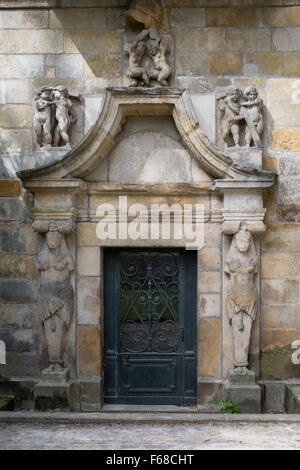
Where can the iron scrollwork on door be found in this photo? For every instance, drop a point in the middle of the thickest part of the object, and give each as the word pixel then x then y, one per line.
pixel 149 302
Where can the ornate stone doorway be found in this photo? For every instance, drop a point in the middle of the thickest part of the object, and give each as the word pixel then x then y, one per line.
pixel 150 326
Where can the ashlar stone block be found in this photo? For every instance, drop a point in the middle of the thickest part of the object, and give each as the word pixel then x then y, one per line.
pixel 42 41
pixel 93 41
pixel 247 397
pixel 89 301
pixel 90 394
pixel 248 40
pixel 20 19
pixel 231 17
pixel 89 348
pixel 227 63
pixel 282 16
pixel 74 18
pixel 286 39
pixel 293 399
pixel 88 261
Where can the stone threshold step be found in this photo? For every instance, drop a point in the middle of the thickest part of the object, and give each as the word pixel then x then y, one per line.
pixel 141 418
pixel 159 409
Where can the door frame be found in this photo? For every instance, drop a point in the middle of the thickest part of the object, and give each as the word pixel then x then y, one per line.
pixel 188 359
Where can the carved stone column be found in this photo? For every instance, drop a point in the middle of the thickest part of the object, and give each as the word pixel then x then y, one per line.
pixel 243 215
pixel 55 210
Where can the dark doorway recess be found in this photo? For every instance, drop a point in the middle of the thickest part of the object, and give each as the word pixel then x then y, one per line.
pixel 150 326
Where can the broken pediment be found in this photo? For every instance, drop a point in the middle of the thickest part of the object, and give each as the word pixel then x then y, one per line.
pixel 121 104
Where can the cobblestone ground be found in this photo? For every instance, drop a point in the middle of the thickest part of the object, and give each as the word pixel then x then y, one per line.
pixel 150 437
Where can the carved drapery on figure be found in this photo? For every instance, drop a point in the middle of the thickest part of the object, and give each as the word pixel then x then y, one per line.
pixel 54 116
pixel 241 265
pixel 241 117
pixel 56 294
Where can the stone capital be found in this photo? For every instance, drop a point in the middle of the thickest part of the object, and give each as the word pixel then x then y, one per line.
pixel 55 199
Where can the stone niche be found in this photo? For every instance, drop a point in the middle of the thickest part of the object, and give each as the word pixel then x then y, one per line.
pixel 147 145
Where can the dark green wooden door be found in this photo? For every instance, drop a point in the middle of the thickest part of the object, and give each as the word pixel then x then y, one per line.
pixel 150 326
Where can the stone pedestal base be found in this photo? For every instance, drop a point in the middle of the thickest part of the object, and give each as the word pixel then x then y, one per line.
pixel 247 397
pixel 241 376
pixel 293 399
pixel 53 391
pixel 243 391
pixel 250 157
pixel 90 394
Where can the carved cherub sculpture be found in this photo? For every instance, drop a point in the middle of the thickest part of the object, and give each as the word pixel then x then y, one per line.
pixel 56 294
pixel 137 74
pixel 54 116
pixel 251 109
pixel 64 115
pixel 42 121
pixel 230 108
pixel 162 69
pixel 241 117
pixel 241 265
pixel 148 64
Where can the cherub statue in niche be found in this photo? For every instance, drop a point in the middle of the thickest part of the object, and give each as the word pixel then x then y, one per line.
pixel 251 109
pixel 64 114
pixel 56 294
pixel 241 265
pixel 137 74
pixel 54 116
pixel 231 117
pixel 154 72
pixel 241 117
pixel 162 70
pixel 42 121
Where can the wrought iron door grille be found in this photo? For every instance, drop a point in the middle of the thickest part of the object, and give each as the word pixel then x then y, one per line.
pixel 149 302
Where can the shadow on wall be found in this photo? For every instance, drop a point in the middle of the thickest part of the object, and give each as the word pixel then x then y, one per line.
pixel 96 37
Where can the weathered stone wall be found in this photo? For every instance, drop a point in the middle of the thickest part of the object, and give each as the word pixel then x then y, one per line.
pixel 217 44
pixel 19 323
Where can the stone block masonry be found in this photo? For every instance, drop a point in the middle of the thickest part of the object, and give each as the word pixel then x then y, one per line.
pixel 217 45
pixel 79 45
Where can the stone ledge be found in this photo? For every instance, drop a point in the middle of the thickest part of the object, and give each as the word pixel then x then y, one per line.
pixel 150 418
pixel 16 4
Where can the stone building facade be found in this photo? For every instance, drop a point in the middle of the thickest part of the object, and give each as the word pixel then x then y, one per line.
pixel 156 145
